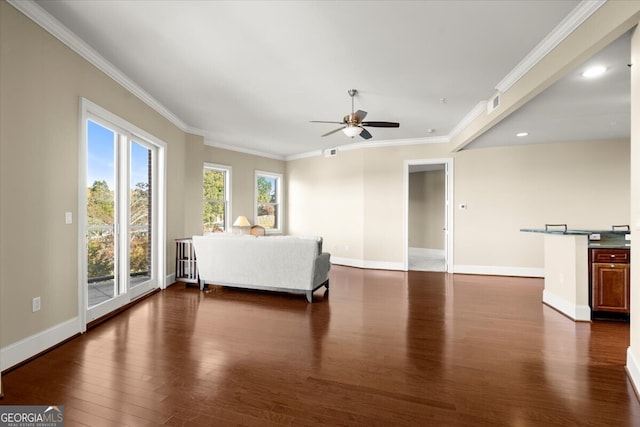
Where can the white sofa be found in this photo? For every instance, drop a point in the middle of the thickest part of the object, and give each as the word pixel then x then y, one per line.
pixel 280 263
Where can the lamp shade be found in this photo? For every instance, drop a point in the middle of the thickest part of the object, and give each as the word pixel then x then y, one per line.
pixel 352 131
pixel 242 221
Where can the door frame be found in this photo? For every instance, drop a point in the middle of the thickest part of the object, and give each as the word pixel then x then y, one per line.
pixel 90 110
pixel 448 163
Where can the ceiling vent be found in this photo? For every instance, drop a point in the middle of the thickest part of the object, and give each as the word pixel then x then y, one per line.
pixel 331 152
pixel 493 103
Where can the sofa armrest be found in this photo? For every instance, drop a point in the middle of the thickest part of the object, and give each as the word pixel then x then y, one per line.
pixel 321 268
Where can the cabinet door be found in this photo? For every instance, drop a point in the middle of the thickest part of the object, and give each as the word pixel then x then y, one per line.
pixel 611 287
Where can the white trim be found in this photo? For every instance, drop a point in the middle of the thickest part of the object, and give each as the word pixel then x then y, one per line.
pixel 633 370
pixel 169 280
pixel 573 311
pixel 568 25
pixel 361 263
pixel 242 150
pixel 41 17
pixel 316 153
pixel 449 203
pixel 493 270
pixel 30 346
pixel 468 119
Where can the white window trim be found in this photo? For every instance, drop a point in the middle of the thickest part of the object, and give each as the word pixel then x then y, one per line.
pixel 279 192
pixel 227 190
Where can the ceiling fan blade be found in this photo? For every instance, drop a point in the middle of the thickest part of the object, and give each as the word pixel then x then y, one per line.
pixel 360 115
pixel 334 131
pixel 381 124
pixel 365 134
pixel 323 121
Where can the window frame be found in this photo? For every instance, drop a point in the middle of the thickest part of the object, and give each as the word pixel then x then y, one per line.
pixel 227 192
pixel 278 177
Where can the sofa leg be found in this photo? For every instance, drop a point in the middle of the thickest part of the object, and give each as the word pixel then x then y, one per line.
pixel 309 296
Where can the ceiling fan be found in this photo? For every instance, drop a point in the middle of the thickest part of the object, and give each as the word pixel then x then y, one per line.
pixel 352 124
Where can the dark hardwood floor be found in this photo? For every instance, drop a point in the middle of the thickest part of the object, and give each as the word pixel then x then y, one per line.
pixel 382 348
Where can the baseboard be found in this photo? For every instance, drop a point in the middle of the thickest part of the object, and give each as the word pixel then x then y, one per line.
pixel 579 313
pixel 633 371
pixel 486 270
pixel 374 265
pixel 493 270
pixel 169 280
pixel 24 349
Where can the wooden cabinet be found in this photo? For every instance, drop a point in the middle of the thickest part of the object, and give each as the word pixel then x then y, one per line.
pixel 186 266
pixel 610 282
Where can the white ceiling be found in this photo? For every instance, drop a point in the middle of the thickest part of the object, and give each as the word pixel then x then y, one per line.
pixel 250 75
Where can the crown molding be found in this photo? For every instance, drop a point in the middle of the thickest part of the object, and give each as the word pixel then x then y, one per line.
pixel 394 143
pixel 50 24
pixel 468 119
pixel 572 21
pixel 316 153
pixel 243 150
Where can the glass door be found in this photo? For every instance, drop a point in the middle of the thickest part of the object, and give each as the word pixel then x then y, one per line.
pixel 140 230
pixel 120 228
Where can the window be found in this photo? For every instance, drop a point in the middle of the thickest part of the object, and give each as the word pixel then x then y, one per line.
pixel 268 211
pixel 217 198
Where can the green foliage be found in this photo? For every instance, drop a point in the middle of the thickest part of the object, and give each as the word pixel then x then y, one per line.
pixel 100 204
pixel 100 238
pixel 214 200
pixel 266 192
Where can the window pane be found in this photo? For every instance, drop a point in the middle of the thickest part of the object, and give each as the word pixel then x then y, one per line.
pixel 268 201
pixel 140 214
pixel 267 189
pixel 215 203
pixel 268 215
pixel 101 261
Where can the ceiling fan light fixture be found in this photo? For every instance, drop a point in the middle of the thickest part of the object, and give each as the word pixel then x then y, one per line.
pixel 595 71
pixel 352 131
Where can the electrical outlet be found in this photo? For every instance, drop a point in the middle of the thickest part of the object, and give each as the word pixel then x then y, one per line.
pixel 36 304
pixel 594 236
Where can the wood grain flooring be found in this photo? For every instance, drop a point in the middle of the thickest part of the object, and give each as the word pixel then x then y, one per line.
pixel 382 348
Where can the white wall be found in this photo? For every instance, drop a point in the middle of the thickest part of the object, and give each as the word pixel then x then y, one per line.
pixel 583 184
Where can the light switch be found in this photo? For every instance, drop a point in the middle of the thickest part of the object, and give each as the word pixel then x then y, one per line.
pixel 68 218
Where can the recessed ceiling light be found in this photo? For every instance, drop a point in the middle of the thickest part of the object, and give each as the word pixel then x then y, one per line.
pixel 595 71
pixel 431 130
pixel 521 134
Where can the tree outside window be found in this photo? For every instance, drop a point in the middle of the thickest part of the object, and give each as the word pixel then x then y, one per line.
pixel 216 199
pixel 268 200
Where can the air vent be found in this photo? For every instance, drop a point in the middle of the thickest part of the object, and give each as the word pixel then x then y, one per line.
pixel 493 103
pixel 330 152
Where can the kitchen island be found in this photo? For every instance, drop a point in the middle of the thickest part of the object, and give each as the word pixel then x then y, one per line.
pixel 569 267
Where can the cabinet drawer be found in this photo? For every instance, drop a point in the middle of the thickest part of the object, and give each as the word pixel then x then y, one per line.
pixel 610 255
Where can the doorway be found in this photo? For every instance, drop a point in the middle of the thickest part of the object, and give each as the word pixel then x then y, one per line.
pixel 428 218
pixel 121 218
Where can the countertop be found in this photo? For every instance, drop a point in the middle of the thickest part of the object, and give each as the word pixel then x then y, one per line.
pixel 608 239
